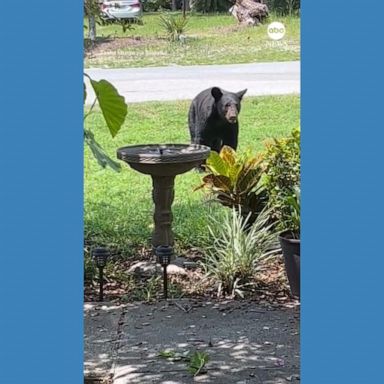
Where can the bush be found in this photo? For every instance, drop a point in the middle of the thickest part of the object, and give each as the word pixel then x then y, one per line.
pixel 207 6
pixel 173 25
pixel 282 180
pixel 284 7
pixel 233 258
pixel 155 5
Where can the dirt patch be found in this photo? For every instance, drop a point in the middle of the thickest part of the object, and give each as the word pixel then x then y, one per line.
pixel 112 44
pixel 226 29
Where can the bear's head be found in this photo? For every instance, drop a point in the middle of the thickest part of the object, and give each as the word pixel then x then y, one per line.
pixel 227 103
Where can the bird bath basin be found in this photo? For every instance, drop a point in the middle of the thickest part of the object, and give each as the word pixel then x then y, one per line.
pixel 163 162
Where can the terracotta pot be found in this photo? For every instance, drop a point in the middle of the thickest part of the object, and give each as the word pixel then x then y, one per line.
pixel 291 252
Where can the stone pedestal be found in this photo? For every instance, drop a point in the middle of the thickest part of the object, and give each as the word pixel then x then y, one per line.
pixel 163 195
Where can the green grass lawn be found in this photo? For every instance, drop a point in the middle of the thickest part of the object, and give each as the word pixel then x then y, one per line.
pixel 118 206
pixel 211 39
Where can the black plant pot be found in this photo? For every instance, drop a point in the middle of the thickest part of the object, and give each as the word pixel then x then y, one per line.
pixel 291 252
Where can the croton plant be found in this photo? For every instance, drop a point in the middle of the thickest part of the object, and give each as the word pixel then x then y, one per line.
pixel 235 181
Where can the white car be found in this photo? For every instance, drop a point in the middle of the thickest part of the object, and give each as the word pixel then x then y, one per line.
pixel 121 9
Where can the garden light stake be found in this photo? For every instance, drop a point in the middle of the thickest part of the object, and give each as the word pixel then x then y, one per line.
pixel 164 254
pixel 100 256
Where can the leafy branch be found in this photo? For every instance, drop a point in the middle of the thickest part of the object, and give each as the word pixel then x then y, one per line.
pixel 114 110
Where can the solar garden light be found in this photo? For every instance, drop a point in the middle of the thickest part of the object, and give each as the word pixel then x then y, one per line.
pixel 100 256
pixel 164 254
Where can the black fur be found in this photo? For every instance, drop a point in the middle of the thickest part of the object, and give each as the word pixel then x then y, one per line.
pixel 213 120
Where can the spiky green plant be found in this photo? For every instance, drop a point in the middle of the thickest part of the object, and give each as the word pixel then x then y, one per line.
pixel 174 26
pixel 235 253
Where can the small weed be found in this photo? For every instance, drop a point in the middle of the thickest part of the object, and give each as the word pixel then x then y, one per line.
pixel 167 354
pixel 149 290
pixel 196 361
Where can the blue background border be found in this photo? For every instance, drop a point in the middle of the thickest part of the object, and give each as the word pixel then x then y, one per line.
pixel 41 193
pixel 342 197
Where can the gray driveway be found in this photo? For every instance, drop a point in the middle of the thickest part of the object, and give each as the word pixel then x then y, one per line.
pixel 178 83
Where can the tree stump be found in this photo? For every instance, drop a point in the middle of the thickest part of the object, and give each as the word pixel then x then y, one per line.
pixel 249 12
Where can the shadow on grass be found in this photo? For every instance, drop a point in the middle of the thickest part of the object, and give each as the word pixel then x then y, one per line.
pixel 90 45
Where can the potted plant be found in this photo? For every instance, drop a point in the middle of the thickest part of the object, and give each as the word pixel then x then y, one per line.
pixel 290 243
pixel 282 181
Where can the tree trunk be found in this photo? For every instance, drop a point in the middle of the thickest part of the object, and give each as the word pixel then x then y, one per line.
pixel 249 12
pixel 92 28
pixel 174 5
pixel 185 7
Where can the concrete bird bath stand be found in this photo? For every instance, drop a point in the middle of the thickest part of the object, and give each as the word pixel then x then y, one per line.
pixel 163 162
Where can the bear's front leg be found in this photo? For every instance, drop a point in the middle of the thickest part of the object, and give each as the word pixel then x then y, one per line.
pixel 230 138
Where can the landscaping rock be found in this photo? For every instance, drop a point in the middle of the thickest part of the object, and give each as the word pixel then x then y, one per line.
pixel 149 268
pixel 145 269
pixel 173 269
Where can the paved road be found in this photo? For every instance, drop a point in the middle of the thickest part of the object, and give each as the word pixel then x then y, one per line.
pixel 178 83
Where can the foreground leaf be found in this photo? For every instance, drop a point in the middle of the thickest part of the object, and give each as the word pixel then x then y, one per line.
pixel 98 152
pixel 111 103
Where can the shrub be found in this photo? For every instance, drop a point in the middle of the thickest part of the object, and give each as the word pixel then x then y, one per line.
pixel 282 180
pixel 155 5
pixel 207 6
pixel 232 259
pixel 235 181
pixel 174 26
pixel 284 7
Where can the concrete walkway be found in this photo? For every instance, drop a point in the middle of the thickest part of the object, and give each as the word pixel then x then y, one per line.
pixel 185 82
pixel 246 343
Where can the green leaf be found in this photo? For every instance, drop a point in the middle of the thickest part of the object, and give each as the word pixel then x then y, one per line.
pixel 167 354
pixel 248 179
pixel 98 152
pixel 216 164
pixel 111 103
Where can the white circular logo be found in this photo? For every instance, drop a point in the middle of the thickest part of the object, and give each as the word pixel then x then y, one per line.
pixel 276 30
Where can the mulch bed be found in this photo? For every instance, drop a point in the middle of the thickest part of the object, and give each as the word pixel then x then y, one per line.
pixel 269 286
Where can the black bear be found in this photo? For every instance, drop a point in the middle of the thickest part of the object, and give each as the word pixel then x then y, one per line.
pixel 213 116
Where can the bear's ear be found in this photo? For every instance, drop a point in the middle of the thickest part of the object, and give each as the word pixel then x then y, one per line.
pixel 241 93
pixel 216 93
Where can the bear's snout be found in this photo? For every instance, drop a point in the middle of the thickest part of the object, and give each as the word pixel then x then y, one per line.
pixel 231 114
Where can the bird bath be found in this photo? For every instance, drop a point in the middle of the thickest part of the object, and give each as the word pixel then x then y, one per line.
pixel 163 162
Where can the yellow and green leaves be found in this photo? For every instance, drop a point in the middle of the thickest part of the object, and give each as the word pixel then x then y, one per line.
pixel 234 180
